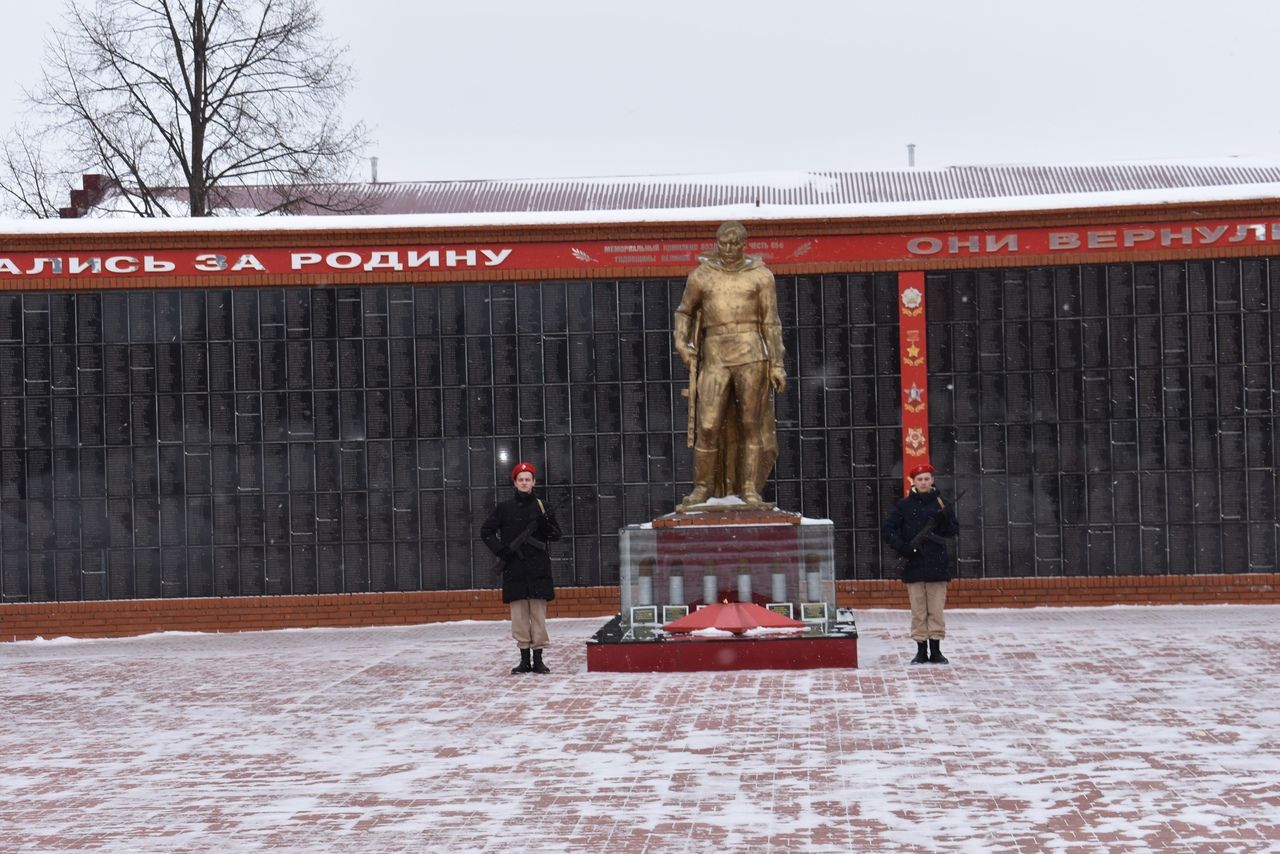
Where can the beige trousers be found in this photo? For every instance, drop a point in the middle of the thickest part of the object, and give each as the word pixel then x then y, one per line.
pixel 928 598
pixel 529 623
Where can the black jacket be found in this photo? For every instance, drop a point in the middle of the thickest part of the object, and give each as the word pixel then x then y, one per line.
pixel 908 518
pixel 527 574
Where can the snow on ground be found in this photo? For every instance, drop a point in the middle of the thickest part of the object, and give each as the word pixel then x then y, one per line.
pixel 1083 729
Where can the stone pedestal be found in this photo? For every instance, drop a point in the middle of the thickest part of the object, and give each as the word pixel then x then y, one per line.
pixel 679 562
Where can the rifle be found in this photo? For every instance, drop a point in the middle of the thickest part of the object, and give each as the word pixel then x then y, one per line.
pixel 924 533
pixel 525 537
pixel 692 391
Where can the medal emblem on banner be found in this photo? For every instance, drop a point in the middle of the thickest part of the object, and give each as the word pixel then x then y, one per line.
pixel 912 302
pixel 915 442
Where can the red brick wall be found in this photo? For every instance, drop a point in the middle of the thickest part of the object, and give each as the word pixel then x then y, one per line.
pixel 118 618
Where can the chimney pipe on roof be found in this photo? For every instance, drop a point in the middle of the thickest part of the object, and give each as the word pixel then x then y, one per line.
pixel 911 155
pixel 373 169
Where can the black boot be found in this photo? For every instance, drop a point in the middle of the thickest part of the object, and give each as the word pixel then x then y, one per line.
pixel 524 666
pixel 538 666
pixel 935 653
pixel 922 653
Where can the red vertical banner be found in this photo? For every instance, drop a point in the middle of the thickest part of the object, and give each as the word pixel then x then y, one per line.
pixel 913 350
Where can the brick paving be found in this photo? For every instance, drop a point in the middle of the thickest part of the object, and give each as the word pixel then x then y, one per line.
pixel 1072 730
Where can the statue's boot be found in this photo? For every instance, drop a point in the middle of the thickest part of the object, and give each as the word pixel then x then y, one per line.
pixel 749 476
pixel 704 467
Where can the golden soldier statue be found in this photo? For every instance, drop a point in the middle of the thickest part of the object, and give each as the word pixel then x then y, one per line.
pixel 728 334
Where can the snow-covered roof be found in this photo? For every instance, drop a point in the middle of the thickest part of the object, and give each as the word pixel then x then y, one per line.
pixel 749 196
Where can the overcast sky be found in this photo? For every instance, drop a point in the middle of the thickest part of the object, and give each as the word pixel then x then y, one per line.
pixel 558 88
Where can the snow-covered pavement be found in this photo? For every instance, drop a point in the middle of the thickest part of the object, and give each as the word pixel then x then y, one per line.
pixel 1082 729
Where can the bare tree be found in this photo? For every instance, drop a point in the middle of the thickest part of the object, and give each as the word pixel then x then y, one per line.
pixel 187 106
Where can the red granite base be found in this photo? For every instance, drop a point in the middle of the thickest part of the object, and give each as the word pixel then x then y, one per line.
pixel 678 656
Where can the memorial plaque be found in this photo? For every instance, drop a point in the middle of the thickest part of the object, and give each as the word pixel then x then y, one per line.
pixel 430 412
pixel 328 466
pixel 349 313
pixel 631 353
pixel 326 411
pixel 248 366
pixel 377 408
pixel 194 316
pixel 94 530
pixel 115 365
pixel 218 318
pixel 351 457
pixel 401 362
pixel 223 460
pixel 244 308
pixel 297 313
pixel 324 365
pixel 604 356
pixel 89 376
pixel 271 314
pixel 168 314
pixel 252 572
pixel 171 467
pixel 249 467
pixel 403 414
pixel 454 411
pixel 63 378
pixel 196 469
pixel 301 415
pixel 329 569
pixel 274 416
pixel 377 372
pixel 1203 390
pixel 355 568
pixel 1132 289
pixel 142 419
pixel 274 365
pixel 222 368
pixel 426 310
pixel 506 419
pixel 142 321
pixel 116 420
pixel 250 519
pixel 380 517
pixel 226 520
pixel 11 318
pixel 66 473
pixel 195 367
pixel 88 319
pixel 115 318
pixel 222 417
pixel 173 521
pixel 452 362
pixel 355 517
pixel 297 364
pixel 379 465
pixel 352 415
pixel 1231 390
pixel 658 356
pixel 93 472
pixel 168 370
pixel 146 522
pixel 64 422
pixel 142 368
pixel 555 309
pixel 323 307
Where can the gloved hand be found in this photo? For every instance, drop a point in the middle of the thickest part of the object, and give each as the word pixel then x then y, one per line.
pixel 908 552
pixel 507 554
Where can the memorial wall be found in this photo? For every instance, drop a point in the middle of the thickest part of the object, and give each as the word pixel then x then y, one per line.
pixel 1105 419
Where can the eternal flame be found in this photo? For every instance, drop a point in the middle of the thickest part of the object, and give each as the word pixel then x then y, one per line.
pixel 728 335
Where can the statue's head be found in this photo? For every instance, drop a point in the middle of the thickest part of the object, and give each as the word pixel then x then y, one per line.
pixel 732 239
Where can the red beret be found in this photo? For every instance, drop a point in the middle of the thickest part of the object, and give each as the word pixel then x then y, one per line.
pixel 515 472
pixel 920 469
